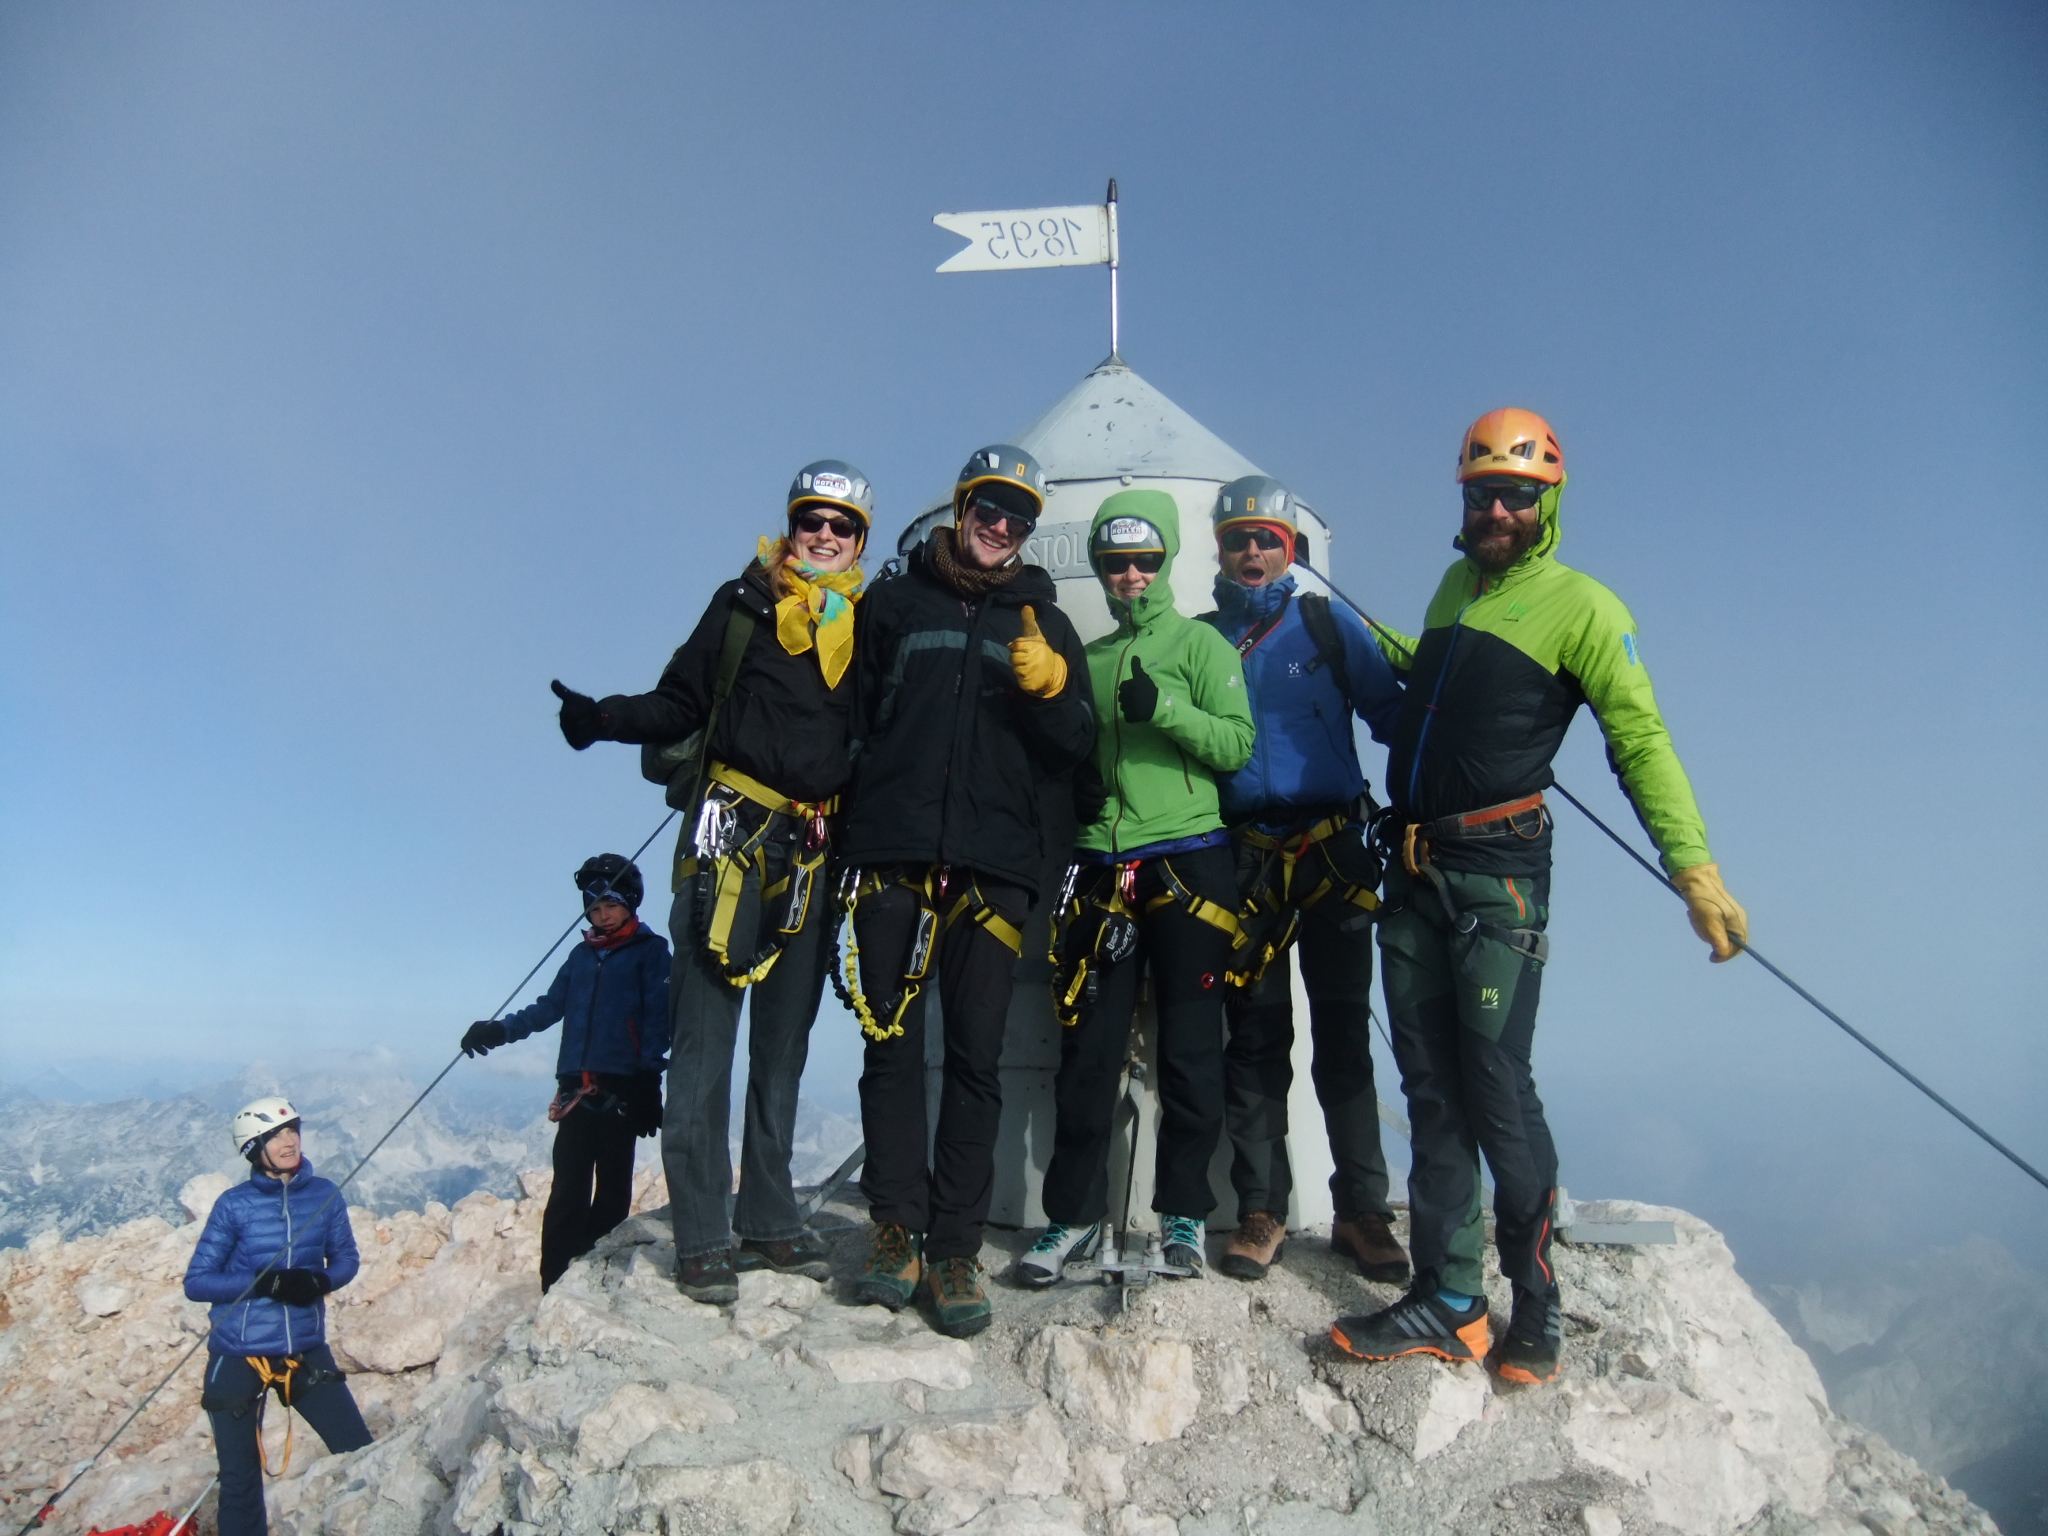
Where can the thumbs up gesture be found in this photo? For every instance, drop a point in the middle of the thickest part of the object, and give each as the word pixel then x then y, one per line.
pixel 1041 671
pixel 1138 694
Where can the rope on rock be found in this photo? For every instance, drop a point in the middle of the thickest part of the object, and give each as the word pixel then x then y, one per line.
pixel 1659 876
pixel 49 1505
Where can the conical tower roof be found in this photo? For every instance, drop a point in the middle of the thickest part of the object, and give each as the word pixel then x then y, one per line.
pixel 1113 423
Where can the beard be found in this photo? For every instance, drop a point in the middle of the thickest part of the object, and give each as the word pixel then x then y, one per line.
pixel 1496 548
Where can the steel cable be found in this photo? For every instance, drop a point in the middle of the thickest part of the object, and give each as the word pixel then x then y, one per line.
pixel 51 1503
pixel 1659 876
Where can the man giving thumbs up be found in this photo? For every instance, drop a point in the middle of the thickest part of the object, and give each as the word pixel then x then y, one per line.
pixel 971 692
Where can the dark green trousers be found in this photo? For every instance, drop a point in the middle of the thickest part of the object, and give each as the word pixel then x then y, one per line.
pixel 1462 1011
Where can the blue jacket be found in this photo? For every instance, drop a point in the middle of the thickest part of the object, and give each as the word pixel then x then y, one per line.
pixel 615 1002
pixel 1304 755
pixel 264 1219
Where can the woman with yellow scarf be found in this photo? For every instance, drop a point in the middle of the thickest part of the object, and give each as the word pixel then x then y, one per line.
pixel 752 714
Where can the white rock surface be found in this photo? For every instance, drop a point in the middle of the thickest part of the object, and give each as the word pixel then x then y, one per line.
pixel 615 1405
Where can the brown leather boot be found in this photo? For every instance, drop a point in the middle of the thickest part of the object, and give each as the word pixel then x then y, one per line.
pixel 1255 1247
pixel 1368 1238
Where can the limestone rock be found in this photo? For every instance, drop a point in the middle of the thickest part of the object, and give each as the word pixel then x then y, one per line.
pixel 765 1288
pixel 854 1459
pixel 1022 1517
pixel 1416 1404
pixel 1015 1454
pixel 101 1297
pixel 943 1509
pixel 199 1193
pixel 1669 1443
pixel 752 1498
pixel 1323 1408
pixel 944 1363
pixel 1142 1389
pixel 636 1411
pixel 1099 1478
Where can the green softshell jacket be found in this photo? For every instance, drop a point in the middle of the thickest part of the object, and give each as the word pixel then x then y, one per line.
pixel 1161 775
pixel 1501 667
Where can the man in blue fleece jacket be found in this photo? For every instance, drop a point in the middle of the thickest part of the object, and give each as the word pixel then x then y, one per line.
pixel 1308 875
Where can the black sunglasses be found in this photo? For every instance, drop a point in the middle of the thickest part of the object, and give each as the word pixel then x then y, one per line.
pixel 1513 495
pixel 1116 565
pixel 1235 540
pixel 993 516
pixel 811 521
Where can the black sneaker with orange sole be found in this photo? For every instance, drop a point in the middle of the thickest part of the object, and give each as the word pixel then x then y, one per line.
pixel 1533 1347
pixel 1417 1324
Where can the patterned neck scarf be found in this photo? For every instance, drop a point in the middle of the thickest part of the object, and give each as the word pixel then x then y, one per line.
pixel 818 610
pixel 972 582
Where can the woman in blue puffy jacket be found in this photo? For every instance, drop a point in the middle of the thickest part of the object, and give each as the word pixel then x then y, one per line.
pixel 272 1249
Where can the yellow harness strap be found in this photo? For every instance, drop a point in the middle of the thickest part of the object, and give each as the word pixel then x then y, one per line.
pixel 1198 907
pixel 282 1381
pixel 874 1028
pixel 991 921
pixel 762 795
pixel 751 857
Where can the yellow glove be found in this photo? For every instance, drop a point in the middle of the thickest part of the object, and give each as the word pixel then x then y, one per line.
pixel 1041 670
pixel 1715 916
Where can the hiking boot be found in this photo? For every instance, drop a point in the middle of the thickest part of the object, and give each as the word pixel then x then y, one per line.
pixel 960 1307
pixel 1256 1247
pixel 1368 1240
pixel 800 1255
pixel 1531 1348
pixel 1417 1324
pixel 1049 1256
pixel 894 1267
pixel 708 1277
pixel 1180 1247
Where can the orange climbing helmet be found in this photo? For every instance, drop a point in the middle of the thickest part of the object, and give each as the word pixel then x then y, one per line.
pixel 1511 441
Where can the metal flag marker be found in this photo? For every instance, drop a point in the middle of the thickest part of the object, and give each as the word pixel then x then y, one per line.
pixel 1021 239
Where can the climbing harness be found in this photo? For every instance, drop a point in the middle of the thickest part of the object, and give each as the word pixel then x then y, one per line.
pixel 1418 840
pixel 1662 879
pixel 1095 925
pixel 50 1504
pixel 937 908
pixel 281 1383
pixel 1298 871
pixel 752 865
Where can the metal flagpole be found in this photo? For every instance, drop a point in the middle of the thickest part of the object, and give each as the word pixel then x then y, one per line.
pixel 1113 352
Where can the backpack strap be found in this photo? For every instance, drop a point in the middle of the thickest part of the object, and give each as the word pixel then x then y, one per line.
pixel 1322 628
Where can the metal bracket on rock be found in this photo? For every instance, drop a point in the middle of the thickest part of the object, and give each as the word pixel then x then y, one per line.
pixel 1607 1234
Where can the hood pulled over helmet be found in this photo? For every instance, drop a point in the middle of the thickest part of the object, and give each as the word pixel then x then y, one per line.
pixel 610 877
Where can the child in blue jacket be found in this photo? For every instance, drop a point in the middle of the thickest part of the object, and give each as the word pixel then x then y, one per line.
pixel 272 1249
pixel 611 999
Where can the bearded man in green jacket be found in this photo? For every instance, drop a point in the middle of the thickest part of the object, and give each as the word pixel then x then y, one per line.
pixel 1514 642
pixel 1154 882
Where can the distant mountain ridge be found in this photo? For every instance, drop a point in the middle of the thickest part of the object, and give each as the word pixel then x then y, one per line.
pixel 80 1170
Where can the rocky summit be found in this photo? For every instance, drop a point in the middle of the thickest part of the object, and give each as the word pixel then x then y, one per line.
pixel 1202 1407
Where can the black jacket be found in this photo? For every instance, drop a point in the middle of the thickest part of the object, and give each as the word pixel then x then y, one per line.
pixel 946 774
pixel 781 725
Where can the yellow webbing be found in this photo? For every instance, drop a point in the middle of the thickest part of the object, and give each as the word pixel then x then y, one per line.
pixel 991 921
pixel 282 1380
pixel 869 883
pixel 761 794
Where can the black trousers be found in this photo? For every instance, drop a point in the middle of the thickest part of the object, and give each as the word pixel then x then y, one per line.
pixel 946 1198
pixel 593 1188
pixel 1186 956
pixel 233 1399
pixel 1336 972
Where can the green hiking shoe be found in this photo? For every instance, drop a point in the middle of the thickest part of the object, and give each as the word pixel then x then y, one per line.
pixel 894 1267
pixel 960 1307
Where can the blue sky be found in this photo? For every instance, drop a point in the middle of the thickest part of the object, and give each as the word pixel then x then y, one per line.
pixel 363 368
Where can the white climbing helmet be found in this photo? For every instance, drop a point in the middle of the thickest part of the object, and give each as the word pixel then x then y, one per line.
pixel 258 1118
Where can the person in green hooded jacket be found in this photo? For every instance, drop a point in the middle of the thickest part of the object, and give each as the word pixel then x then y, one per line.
pixel 1154 882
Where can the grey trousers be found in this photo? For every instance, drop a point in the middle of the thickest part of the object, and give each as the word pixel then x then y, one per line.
pixel 703 1033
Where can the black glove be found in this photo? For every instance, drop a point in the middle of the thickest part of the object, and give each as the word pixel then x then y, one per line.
pixel 582 720
pixel 1091 797
pixel 1138 694
pixel 643 1103
pixel 299 1287
pixel 483 1037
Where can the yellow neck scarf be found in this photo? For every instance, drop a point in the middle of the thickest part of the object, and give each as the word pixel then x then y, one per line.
pixel 818 610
